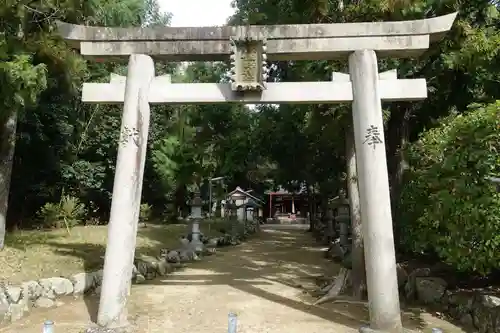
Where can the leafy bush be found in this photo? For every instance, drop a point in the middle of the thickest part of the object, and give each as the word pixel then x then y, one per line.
pixel 169 214
pixel 145 212
pixel 49 215
pixel 68 212
pixel 449 206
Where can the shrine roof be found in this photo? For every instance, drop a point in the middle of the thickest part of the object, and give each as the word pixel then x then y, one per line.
pixel 245 193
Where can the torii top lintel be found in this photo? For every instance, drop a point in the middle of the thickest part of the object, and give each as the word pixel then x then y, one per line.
pixel 284 42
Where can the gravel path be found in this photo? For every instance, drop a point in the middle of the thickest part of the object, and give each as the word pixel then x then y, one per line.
pixel 263 281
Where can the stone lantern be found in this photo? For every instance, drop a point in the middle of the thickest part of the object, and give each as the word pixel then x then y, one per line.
pixel 223 208
pixel 196 215
pixel 232 210
pixel 343 217
pixel 251 208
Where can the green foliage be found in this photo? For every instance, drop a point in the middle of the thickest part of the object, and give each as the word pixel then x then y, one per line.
pixel 450 207
pixel 20 81
pixel 49 215
pixel 72 211
pixel 68 212
pixel 145 212
pixel 62 143
pixel 164 158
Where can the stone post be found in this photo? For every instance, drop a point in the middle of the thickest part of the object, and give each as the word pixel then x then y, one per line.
pixel 233 217
pixel 330 229
pixel 223 208
pixel 196 215
pixel 343 220
pixel 374 193
pixel 126 198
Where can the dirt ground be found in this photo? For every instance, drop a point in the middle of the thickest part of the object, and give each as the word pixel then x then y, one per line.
pixel 263 281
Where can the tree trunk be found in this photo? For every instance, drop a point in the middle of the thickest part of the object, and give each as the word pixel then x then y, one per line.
pixel 398 136
pixel 320 226
pixel 180 200
pixel 358 274
pixel 310 201
pixel 330 228
pixel 7 156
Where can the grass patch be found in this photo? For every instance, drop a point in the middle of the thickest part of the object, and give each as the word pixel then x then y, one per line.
pixel 34 254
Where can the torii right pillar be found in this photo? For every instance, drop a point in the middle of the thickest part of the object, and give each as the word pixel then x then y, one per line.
pixel 373 182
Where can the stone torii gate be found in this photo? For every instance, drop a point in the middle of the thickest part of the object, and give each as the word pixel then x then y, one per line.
pixel 249 47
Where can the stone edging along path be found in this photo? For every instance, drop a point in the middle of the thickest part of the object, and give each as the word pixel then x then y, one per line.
pixel 16 301
pixel 478 308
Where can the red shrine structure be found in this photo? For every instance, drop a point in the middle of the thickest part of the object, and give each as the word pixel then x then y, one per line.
pixel 285 205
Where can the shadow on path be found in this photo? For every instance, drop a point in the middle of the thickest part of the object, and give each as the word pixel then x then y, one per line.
pixel 265 280
pixel 281 266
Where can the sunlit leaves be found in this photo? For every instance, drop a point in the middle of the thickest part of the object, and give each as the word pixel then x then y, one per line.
pixel 450 206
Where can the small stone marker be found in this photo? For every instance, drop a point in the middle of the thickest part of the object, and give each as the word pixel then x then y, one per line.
pixel 232 323
pixel 48 326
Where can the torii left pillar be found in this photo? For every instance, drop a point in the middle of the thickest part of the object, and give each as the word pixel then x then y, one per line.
pixel 127 189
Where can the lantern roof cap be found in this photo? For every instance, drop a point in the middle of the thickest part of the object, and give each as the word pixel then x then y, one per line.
pixel 197 200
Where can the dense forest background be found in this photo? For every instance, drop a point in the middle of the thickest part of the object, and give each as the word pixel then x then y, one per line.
pixel 58 155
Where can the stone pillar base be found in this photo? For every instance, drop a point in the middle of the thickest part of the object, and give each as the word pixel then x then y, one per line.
pixel 99 329
pixel 367 329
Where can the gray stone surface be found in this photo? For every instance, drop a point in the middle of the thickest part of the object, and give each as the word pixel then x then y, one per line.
pixel 56 285
pixel 277 50
pixel 82 282
pixel 489 301
pixel 335 252
pixel 139 278
pixel 164 268
pixel 13 293
pixel 276 92
pixel 437 25
pixel 98 329
pixel 32 290
pixel 368 329
pixel 486 313
pixel 97 276
pixel 430 289
pixel 402 276
pixel 4 305
pixel 478 310
pixel 285 42
pixel 17 311
pixel 44 302
pixel 381 272
pixel 410 286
